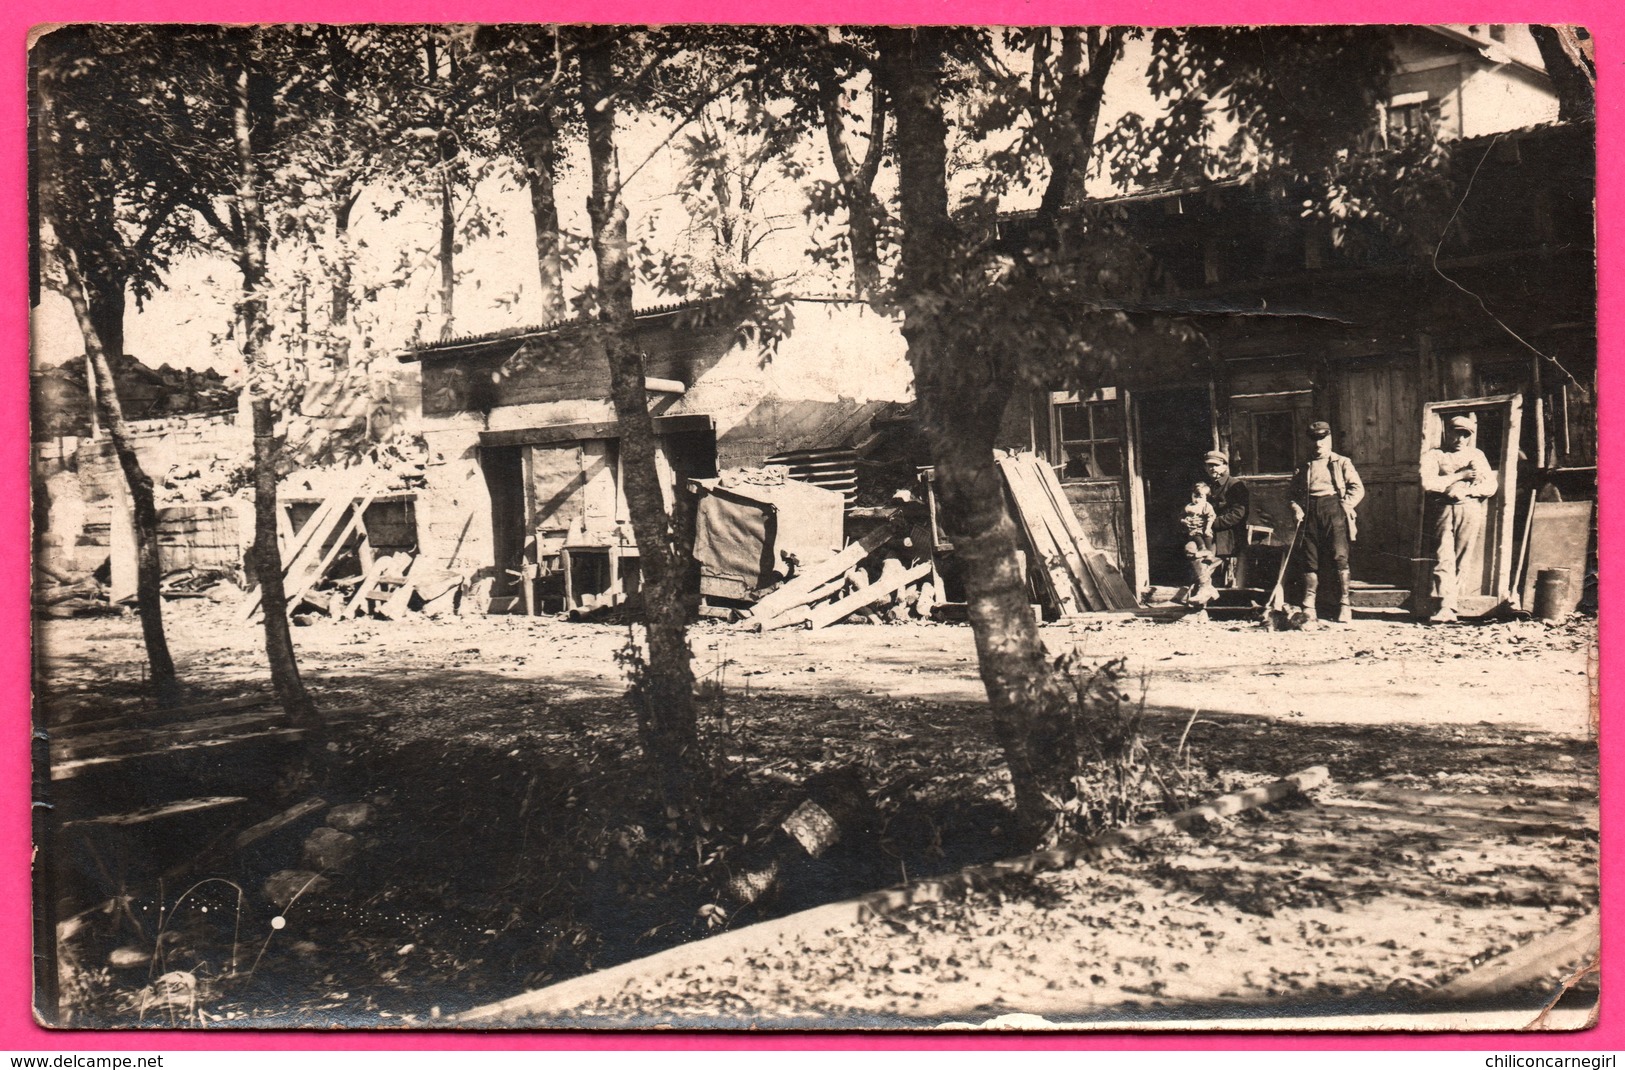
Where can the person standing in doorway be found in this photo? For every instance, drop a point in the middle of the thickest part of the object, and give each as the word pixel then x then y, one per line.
pixel 1457 479
pixel 1232 506
pixel 1325 492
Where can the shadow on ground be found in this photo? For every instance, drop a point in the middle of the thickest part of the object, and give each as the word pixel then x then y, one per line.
pixel 518 840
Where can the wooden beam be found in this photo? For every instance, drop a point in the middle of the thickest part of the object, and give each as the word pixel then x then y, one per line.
pixel 1105 575
pixel 315 530
pixel 1050 557
pixel 397 602
pixel 172 715
pixel 158 813
pixel 798 590
pixel 1072 536
pixel 798 615
pixel 1053 511
pixel 314 576
pixel 1576 944
pixel 369 580
pixel 545 436
pixel 67 770
pixel 255 833
pixel 823 616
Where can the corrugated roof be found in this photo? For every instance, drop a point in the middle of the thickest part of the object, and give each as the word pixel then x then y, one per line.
pixel 447 346
pixel 534 331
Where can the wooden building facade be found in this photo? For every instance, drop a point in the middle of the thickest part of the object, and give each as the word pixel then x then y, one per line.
pixel 1495 315
pixel 523 441
pixel 1294 322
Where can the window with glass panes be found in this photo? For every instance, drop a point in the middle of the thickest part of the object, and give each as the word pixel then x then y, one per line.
pixel 1088 435
pixel 1268 432
pixel 1411 115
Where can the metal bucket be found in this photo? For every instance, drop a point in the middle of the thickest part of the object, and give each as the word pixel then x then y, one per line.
pixel 1552 593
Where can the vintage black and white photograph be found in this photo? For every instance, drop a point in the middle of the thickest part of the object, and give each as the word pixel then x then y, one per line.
pixel 604 527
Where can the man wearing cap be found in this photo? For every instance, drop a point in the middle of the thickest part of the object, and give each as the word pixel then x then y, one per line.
pixel 1457 479
pixel 1324 493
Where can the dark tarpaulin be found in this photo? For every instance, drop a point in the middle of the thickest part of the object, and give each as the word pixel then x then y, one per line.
pixel 744 531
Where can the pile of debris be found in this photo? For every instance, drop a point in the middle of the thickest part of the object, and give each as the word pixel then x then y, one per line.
pixel 770 553
pixel 211 583
pixel 863 579
pixel 82 598
pixel 330 569
pixel 901 568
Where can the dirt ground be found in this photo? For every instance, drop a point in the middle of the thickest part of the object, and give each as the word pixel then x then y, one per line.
pixel 516 845
pixel 1374 671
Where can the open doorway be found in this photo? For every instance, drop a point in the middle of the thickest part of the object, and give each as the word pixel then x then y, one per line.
pixel 1487 582
pixel 504 469
pixel 1175 429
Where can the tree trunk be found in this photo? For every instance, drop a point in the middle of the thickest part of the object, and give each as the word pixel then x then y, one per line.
pixel 664 694
pixel 98 305
pixel 285 678
pixel 539 146
pixel 448 241
pixel 1086 60
pixel 857 181
pixel 865 241
pixel 255 331
pixel 1572 69
pixel 101 322
pixel 962 397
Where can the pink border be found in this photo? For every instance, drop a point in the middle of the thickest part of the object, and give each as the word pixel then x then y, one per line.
pixel 17 1030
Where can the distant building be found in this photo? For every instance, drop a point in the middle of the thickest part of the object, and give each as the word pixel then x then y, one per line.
pixel 1300 321
pixel 1466 81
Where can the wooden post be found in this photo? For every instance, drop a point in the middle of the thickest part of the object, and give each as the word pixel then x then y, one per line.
pixel 284 528
pixel 527 587
pixel 1138 552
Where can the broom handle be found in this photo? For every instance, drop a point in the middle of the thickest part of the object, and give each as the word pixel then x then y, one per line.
pixel 1286 559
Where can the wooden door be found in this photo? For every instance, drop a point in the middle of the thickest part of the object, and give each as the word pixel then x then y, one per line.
pixel 1091 447
pixel 1378 405
pixel 1500 421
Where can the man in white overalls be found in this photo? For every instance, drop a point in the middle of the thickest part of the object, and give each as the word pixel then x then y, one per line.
pixel 1457 479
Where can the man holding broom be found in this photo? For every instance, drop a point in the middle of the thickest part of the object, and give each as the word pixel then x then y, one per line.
pixel 1324 493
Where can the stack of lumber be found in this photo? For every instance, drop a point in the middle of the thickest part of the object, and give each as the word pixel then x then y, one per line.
pixel 1076 577
pixel 818 596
